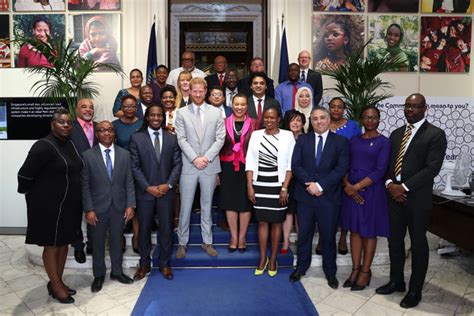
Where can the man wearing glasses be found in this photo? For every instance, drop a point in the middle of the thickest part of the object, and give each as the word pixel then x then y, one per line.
pixel 187 63
pixel 418 150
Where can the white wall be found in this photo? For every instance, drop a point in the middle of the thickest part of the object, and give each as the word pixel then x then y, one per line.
pixel 136 22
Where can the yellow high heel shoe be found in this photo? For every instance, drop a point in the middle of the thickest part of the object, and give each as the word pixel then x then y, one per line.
pixel 260 272
pixel 273 273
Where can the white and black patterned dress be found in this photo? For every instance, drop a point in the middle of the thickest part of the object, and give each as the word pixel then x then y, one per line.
pixel 267 188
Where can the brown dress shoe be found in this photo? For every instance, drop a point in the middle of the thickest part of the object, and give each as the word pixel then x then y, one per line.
pixel 141 273
pixel 167 273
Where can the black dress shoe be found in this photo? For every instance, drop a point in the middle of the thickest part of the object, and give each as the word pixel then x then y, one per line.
pixel 121 278
pixel 332 282
pixel 296 276
pixel 411 299
pixel 79 255
pixel 390 287
pixel 97 284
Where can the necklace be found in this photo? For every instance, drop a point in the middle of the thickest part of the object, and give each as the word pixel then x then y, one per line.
pixel 238 133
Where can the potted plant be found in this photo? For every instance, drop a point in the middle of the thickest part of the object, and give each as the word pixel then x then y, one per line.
pixel 68 77
pixel 358 81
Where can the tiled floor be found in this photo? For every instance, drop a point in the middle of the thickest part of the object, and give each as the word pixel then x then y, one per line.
pixel 449 289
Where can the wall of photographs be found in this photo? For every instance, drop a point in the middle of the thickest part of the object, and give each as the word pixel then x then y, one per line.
pixel 428 35
pixel 94 26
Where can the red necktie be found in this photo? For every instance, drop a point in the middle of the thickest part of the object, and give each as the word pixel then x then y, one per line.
pixel 294 96
pixel 221 78
pixel 259 113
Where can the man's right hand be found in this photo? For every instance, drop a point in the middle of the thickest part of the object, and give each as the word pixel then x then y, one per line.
pixel 91 218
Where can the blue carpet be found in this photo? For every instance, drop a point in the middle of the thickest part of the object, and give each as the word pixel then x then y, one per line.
pixel 223 292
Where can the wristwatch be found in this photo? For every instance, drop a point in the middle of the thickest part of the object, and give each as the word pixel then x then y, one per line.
pixel 170 186
pixel 284 189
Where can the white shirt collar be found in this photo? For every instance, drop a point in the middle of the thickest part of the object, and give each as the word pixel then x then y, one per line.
pixel 151 132
pixel 417 125
pixel 103 148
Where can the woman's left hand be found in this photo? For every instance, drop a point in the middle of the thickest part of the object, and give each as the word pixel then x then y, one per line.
pixel 283 198
pixel 350 189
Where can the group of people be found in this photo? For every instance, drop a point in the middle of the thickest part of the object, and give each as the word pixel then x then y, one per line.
pixel 281 158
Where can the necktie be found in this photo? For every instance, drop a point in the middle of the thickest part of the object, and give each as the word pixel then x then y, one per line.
pixel 156 144
pixel 221 79
pixel 108 163
pixel 259 110
pixel 303 77
pixel 89 134
pixel 199 121
pixel 319 150
pixel 294 96
pixel 401 153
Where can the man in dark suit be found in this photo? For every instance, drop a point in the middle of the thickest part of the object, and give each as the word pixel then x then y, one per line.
pixel 258 101
pixel 217 99
pixel 320 161
pixel 218 77
pixel 418 150
pixel 108 200
pixel 230 89
pixel 256 65
pixel 156 166
pixel 83 137
pixel 310 76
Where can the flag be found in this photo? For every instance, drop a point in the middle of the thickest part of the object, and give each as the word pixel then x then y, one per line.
pixel 151 63
pixel 283 76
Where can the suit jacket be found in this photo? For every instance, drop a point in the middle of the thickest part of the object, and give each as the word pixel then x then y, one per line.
pixel 228 111
pixel 98 192
pixel 252 107
pixel 147 170
pixel 421 163
pixel 78 137
pixel 213 80
pixel 316 82
pixel 190 143
pixel 244 86
pixel 333 166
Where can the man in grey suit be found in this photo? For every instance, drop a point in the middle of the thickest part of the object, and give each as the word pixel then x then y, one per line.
pixel 201 132
pixel 108 200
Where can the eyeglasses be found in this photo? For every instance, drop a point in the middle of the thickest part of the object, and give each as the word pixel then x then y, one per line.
pixel 129 106
pixel 188 59
pixel 368 118
pixel 216 94
pixel 413 106
pixel 106 130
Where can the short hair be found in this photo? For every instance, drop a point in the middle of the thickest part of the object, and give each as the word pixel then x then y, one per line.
pixel 136 69
pixel 162 66
pixel 370 107
pixel 217 88
pixel 274 107
pixel 257 58
pixel 423 100
pixel 320 108
pixel 188 52
pixel 240 95
pixel 129 96
pixel 79 101
pixel 258 74
pixel 168 89
pixel 338 98
pixel 198 80
pixel 290 116
pixel 58 112
pixel 147 112
pixel 145 86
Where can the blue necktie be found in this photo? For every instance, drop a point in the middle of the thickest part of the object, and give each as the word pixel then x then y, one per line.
pixel 319 150
pixel 108 163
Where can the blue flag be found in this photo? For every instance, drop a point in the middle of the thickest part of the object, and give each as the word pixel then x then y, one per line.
pixel 283 75
pixel 151 63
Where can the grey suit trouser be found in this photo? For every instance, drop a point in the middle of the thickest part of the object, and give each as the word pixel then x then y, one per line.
pixel 113 222
pixel 187 188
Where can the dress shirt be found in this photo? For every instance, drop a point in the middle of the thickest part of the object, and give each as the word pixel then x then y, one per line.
pixel 255 101
pixel 112 154
pixel 152 136
pixel 229 94
pixel 305 74
pixel 203 107
pixel 325 137
pixel 173 76
pixel 91 126
pixel 223 111
pixel 284 94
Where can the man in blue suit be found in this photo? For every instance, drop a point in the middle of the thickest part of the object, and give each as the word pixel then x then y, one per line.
pixel 320 161
pixel 156 166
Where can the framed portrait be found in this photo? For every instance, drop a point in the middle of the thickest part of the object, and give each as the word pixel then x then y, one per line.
pixel 5 49
pixel 38 5
pixel 394 6
pixel 334 38
pixel 339 5
pixel 97 36
pixel 396 37
pixel 102 5
pixel 39 26
pixel 446 6
pixel 4 5
pixel 445 44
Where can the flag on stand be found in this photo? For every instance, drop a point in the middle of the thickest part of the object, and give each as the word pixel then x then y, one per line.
pixel 282 75
pixel 151 63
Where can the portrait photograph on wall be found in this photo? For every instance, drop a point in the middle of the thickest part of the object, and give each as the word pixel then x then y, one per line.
pixel 395 37
pixel 5 49
pixel 334 38
pixel 398 6
pixel 445 44
pixel 4 5
pixel 42 27
pixel 39 5
pixel 93 5
pixel 339 5
pixel 97 36
pixel 446 6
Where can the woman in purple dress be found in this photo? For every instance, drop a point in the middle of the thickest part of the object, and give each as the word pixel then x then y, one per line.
pixel 364 207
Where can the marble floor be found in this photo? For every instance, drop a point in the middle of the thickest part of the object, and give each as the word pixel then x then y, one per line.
pixel 449 289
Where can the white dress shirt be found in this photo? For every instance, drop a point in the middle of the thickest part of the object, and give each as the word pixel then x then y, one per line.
pixel 325 137
pixel 151 132
pixel 111 153
pixel 255 102
pixel 229 94
pixel 173 76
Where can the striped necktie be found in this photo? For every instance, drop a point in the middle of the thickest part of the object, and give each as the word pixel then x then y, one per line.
pixel 401 153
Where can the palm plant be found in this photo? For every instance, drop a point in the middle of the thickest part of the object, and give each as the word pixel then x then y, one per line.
pixel 358 81
pixel 69 75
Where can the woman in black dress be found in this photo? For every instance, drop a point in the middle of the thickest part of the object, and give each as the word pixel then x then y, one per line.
pixel 233 191
pixel 50 178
